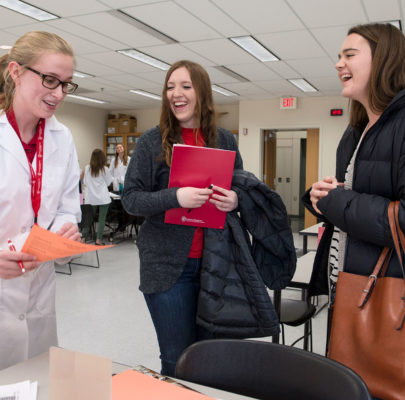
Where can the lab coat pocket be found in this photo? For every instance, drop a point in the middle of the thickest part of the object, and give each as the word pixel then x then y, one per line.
pixel 43 289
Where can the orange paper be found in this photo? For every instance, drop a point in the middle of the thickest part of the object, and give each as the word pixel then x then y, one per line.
pixel 46 245
pixel 130 384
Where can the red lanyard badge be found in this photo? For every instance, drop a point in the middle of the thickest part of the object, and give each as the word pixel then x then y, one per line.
pixel 36 178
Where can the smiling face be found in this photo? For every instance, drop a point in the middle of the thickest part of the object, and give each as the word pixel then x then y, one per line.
pixel 31 96
pixel 119 149
pixel 354 68
pixel 182 97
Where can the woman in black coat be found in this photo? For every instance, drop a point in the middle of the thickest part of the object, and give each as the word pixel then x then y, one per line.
pixel 370 159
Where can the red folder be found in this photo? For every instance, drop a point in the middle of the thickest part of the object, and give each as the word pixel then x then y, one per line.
pixel 200 167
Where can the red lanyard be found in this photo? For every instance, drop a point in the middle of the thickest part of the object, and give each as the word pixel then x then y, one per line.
pixel 36 178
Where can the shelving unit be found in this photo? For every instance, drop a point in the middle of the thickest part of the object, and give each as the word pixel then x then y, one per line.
pixel 128 140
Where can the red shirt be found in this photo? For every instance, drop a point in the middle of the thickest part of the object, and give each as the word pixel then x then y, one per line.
pixel 196 138
pixel 30 148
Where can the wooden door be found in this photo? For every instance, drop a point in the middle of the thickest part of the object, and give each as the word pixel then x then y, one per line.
pixel 311 168
pixel 270 158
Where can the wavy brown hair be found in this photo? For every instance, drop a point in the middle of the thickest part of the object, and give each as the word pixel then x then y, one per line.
pixel 204 111
pixel 387 76
pixel 26 51
pixel 124 158
pixel 97 162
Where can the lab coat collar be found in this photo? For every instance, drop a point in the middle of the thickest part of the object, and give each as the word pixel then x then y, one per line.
pixel 11 143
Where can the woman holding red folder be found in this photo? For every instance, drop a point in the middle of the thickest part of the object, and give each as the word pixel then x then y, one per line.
pixel 170 255
pixel 39 184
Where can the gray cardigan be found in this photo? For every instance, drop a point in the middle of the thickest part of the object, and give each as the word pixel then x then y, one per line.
pixel 163 248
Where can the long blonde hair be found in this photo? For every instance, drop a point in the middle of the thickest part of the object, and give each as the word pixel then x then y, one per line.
pixel 26 51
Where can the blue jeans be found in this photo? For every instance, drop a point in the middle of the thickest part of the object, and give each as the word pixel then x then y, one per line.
pixel 173 314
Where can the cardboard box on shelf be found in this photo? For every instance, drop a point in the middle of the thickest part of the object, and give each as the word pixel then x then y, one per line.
pixel 127 125
pixel 113 125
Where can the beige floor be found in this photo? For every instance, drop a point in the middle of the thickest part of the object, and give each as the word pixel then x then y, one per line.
pixel 101 311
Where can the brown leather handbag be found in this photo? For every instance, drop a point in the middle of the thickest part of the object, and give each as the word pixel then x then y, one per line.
pixel 367 332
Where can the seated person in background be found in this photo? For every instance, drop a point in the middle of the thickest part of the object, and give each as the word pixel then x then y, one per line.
pixel 118 167
pixel 96 179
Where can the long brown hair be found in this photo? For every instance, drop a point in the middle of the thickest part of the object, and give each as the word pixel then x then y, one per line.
pixel 97 162
pixel 124 157
pixel 387 76
pixel 26 51
pixel 204 112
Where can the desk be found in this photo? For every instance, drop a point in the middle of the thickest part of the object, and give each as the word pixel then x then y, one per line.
pixel 311 231
pixel 37 369
pixel 303 271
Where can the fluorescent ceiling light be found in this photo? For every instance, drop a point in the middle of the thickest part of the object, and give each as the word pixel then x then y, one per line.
pixel 123 16
pixel 231 73
pixel 27 9
pixel 147 94
pixel 303 85
pixel 145 58
pixel 252 46
pixel 5 47
pixel 223 91
pixel 74 96
pixel 79 74
pixel 396 23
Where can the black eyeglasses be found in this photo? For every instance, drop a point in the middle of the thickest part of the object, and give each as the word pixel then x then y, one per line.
pixel 51 82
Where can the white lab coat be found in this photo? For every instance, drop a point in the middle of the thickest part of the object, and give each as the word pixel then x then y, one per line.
pixel 118 173
pixel 27 303
pixel 96 187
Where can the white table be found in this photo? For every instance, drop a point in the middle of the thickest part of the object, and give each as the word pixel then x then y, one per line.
pixel 37 369
pixel 308 232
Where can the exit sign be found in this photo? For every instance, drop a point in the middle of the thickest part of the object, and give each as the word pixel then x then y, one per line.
pixel 288 103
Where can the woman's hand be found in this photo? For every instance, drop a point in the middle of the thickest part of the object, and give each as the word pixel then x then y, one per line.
pixel 226 201
pixel 9 267
pixel 321 189
pixel 70 231
pixel 191 197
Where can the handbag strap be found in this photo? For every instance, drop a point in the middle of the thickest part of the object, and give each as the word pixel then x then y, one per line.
pixel 382 264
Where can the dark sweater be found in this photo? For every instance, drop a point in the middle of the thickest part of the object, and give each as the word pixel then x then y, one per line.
pixel 163 248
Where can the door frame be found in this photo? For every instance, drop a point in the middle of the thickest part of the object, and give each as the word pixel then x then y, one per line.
pixel 311 165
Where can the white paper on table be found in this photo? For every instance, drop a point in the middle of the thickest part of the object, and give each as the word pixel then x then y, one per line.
pixel 24 390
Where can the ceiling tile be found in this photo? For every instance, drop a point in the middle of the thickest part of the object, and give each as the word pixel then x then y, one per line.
pixel 211 14
pixel 71 7
pixel 116 29
pixel 253 71
pixel 171 53
pixel 386 10
pixel 220 51
pixel 261 16
pixel 182 25
pixel 316 13
pixel 292 44
pixel 313 67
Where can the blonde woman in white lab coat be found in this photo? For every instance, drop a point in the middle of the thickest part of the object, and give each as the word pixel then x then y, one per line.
pixel 118 167
pixel 35 77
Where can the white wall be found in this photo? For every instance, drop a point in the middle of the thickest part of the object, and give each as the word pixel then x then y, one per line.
pixel 311 112
pixel 87 124
pixel 228 117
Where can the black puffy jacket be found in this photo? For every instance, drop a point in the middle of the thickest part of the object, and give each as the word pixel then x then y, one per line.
pixel 378 178
pixel 233 299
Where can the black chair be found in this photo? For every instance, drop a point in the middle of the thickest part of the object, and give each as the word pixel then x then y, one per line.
pixel 268 371
pixel 296 313
pixel 86 221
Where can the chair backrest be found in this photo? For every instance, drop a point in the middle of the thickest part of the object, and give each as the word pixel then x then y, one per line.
pixel 268 371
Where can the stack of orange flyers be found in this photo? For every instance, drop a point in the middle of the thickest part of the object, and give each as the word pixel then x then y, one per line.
pixel 130 384
pixel 46 245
